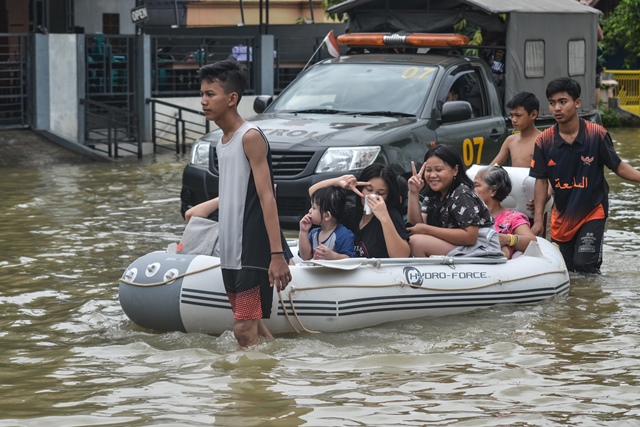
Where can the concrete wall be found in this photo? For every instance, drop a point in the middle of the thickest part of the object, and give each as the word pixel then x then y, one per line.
pixel 56 92
pixel 63 85
pixel 88 14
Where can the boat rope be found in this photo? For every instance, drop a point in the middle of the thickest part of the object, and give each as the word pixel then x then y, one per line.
pixel 171 279
pixel 286 314
pixel 295 313
pixel 293 308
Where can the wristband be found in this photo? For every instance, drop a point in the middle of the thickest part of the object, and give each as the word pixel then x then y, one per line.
pixel 277 253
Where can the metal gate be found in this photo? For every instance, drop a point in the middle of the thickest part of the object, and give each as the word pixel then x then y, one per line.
pixel 14 80
pixel 628 89
pixel 109 87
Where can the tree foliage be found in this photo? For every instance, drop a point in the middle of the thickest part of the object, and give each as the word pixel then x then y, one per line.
pixel 326 4
pixel 622 31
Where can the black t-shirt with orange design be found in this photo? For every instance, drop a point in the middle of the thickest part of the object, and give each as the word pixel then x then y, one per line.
pixel 576 174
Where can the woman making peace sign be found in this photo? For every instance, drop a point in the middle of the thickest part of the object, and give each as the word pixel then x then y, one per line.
pixel 452 220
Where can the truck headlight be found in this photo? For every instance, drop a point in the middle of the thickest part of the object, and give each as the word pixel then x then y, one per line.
pixel 200 153
pixel 345 159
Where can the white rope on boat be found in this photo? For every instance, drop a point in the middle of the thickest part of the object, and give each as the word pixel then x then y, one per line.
pixel 286 314
pixel 293 308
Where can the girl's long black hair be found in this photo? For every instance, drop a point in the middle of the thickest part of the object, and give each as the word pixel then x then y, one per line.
pixel 378 170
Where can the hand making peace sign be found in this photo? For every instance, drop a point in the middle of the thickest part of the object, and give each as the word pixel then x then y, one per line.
pixel 350 182
pixel 416 182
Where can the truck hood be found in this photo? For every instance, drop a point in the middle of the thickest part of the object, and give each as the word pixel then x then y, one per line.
pixel 313 131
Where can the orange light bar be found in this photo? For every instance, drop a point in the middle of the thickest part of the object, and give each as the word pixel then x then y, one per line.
pixel 403 40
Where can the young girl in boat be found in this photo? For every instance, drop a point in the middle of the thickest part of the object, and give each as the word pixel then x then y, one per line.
pixel 379 230
pixel 452 219
pixel 331 240
pixel 493 185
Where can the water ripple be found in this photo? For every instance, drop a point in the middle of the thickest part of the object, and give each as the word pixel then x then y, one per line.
pixel 72 358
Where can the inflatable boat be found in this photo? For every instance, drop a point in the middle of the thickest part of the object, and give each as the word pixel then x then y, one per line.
pixel 176 292
pixel 181 292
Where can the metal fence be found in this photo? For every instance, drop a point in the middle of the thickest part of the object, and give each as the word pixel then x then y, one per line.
pixel 176 60
pixel 14 81
pixel 628 89
pixel 111 125
pixel 109 70
pixel 114 129
pixel 175 127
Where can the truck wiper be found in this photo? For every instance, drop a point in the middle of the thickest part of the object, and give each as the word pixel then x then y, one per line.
pixel 317 111
pixel 387 113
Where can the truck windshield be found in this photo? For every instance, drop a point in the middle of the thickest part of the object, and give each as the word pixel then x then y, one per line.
pixel 358 89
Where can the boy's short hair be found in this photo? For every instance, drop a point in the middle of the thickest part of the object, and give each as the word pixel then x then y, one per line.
pixel 330 199
pixel 526 100
pixel 564 84
pixel 228 73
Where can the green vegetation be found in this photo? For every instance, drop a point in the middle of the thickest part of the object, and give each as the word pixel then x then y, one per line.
pixel 326 4
pixel 610 117
pixel 621 30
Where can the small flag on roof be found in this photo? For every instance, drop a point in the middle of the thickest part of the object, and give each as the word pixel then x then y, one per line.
pixel 332 44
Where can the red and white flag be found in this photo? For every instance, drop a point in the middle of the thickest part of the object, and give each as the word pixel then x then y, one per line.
pixel 332 44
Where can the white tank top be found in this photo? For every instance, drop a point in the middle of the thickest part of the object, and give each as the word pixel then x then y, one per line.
pixel 244 242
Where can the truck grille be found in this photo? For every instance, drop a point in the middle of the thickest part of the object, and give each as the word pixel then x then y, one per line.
pixel 290 206
pixel 285 163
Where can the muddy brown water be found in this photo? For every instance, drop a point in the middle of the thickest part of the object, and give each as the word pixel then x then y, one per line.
pixel 70 357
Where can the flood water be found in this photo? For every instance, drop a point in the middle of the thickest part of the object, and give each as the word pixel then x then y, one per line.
pixel 70 357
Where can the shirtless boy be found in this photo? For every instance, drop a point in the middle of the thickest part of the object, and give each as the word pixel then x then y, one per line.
pixel 523 109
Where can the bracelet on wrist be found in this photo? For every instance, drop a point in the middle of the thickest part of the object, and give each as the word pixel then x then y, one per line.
pixel 277 253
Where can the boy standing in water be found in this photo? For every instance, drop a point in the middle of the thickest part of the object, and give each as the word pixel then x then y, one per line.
pixel 571 156
pixel 523 110
pixel 251 242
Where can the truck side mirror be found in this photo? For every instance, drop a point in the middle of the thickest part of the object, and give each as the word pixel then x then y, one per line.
pixel 456 111
pixel 261 103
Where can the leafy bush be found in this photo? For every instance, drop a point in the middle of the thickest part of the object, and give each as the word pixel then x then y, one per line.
pixel 621 30
pixel 610 117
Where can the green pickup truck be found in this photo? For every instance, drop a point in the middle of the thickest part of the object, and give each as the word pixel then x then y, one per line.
pixel 377 105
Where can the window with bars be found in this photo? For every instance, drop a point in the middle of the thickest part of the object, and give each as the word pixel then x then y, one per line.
pixel 111 23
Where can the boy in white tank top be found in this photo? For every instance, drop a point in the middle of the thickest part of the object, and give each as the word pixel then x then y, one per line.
pixel 251 242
